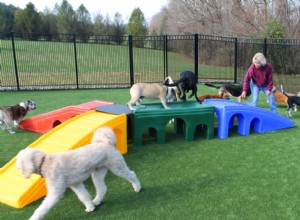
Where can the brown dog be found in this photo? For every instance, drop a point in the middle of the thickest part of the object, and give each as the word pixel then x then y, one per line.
pixel 224 95
pixel 281 98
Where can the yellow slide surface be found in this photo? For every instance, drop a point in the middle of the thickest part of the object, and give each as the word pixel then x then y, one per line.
pixel 16 191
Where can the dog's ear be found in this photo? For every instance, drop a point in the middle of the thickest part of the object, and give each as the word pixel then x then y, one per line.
pixel 28 161
pixel 24 163
pixel 104 135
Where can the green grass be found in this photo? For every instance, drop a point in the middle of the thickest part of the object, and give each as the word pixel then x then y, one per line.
pixel 240 177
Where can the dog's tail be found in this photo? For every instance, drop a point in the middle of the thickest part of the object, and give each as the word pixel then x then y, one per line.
pixel 176 83
pixel 105 135
pixel 212 86
pixel 281 87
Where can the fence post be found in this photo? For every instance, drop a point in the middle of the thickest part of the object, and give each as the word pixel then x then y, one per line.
pixel 165 56
pixel 15 60
pixel 130 60
pixel 75 57
pixel 235 59
pixel 196 55
pixel 265 47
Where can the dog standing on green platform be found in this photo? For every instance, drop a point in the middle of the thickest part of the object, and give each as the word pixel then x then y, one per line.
pixel 186 82
pixel 140 91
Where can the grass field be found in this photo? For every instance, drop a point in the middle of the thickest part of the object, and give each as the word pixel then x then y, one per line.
pixel 240 177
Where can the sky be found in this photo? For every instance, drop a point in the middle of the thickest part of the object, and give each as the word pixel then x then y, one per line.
pixel 110 7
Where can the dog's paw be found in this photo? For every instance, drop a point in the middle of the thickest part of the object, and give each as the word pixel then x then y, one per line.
pixel 16 124
pixel 2 125
pixel 97 202
pixel 11 131
pixel 137 187
pixel 90 208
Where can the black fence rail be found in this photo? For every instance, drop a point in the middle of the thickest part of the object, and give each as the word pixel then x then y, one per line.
pixel 33 61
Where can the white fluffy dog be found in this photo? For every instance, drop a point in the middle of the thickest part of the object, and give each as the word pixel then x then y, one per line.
pixel 71 168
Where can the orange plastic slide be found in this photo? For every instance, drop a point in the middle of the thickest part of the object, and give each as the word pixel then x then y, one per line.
pixel 45 122
pixel 18 192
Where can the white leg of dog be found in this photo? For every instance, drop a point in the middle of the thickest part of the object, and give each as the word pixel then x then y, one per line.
pixel 119 168
pixel 2 125
pixel 138 104
pixel 17 123
pixel 98 177
pixel 84 196
pixel 51 199
pixel 9 127
pixel 164 103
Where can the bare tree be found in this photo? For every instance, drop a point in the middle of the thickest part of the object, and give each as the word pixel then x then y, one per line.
pixel 241 18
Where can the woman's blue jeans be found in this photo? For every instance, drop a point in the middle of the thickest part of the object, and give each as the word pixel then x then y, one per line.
pixel 255 94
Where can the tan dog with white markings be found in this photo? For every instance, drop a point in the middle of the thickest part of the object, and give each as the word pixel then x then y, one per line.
pixel 140 91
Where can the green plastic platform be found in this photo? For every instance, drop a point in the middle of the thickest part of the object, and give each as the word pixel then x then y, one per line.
pixel 188 117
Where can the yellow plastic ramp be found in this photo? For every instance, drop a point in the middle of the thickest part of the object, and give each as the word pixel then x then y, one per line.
pixel 18 192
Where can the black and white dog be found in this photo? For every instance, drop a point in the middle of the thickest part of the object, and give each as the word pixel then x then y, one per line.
pixel 13 115
pixel 292 101
pixel 185 83
pixel 232 89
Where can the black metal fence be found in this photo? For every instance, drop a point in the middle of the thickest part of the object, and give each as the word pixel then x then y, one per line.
pixel 31 61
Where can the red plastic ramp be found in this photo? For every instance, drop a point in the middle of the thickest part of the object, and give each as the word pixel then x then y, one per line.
pixel 47 121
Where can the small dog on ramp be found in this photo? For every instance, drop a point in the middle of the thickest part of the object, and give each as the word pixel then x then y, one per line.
pixel 186 82
pixel 232 89
pixel 139 91
pixel 72 168
pixel 13 115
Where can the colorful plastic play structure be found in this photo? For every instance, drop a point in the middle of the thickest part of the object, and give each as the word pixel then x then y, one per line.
pixel 45 122
pixel 248 116
pixel 73 126
pixel 187 117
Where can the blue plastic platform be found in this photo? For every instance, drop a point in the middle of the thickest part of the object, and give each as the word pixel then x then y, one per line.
pixel 116 109
pixel 262 120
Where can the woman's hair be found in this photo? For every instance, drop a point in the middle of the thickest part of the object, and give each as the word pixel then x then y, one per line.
pixel 261 58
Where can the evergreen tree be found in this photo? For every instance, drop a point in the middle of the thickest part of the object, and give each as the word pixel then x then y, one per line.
pixel 84 23
pixel 28 20
pixel 99 26
pixel 48 23
pixel 118 29
pixel 65 17
pixel 7 17
pixel 137 26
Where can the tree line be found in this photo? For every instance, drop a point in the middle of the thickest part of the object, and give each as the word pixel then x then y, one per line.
pixel 63 19
pixel 229 18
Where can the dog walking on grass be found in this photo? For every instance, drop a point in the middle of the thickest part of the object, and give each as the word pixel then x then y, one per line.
pixel 72 168
pixel 292 101
pixel 12 115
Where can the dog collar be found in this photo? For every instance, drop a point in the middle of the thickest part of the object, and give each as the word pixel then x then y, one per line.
pixel 41 165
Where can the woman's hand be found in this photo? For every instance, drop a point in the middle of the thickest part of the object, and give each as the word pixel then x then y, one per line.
pixel 243 94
